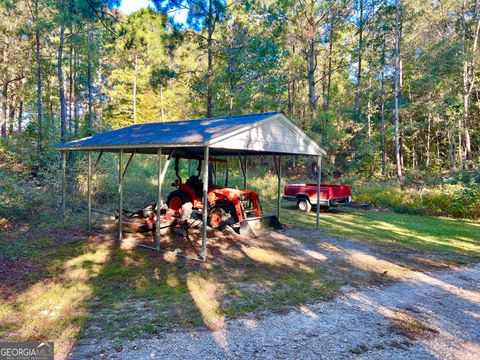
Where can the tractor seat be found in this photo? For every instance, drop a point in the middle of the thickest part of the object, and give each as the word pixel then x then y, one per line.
pixel 195 183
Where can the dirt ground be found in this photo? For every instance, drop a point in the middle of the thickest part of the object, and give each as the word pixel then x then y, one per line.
pixel 424 313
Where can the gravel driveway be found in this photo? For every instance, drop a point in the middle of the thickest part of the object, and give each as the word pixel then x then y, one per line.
pixel 424 316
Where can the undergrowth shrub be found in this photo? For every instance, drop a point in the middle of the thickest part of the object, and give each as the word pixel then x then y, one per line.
pixel 453 200
pixel 22 194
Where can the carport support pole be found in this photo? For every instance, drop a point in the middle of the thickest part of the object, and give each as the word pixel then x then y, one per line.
pixel 205 203
pixel 215 173
pixel 64 182
pixel 319 178
pixel 279 185
pixel 227 166
pixel 120 194
pixel 245 172
pixel 89 191
pixel 159 199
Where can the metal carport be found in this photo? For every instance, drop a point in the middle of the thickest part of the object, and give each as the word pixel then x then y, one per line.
pixel 271 133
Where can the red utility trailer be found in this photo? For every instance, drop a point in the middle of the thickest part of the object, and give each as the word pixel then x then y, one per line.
pixel 306 195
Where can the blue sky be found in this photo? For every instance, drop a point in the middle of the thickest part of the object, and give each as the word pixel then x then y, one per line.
pixel 130 6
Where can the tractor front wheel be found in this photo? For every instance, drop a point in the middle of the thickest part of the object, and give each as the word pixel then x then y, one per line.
pixel 217 219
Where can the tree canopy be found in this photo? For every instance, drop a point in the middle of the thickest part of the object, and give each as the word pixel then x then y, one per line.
pixel 387 87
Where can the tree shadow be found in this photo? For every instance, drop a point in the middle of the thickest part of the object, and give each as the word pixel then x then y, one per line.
pixel 277 272
pixel 110 292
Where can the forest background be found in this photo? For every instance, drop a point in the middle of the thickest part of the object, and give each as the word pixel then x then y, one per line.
pixel 389 88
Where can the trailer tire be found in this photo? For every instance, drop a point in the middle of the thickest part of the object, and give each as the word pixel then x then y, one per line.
pixel 303 204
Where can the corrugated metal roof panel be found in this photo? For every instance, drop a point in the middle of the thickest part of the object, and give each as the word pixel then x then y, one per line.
pixel 186 132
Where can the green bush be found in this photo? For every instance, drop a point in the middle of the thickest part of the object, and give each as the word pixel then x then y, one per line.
pixel 453 200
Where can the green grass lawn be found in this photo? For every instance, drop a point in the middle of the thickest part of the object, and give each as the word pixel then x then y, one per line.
pixel 441 235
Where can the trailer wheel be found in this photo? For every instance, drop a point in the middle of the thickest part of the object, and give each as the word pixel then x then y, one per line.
pixel 304 205
pixel 217 219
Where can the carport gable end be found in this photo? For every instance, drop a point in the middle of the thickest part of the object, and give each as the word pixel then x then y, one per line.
pixel 275 134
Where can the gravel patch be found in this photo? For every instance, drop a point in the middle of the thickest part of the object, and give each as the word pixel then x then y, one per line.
pixel 356 325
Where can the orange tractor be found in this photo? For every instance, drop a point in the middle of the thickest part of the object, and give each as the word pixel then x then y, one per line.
pixel 239 209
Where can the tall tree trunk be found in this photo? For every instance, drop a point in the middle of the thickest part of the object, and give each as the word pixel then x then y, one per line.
pixel 39 86
pixel 3 126
pixel 289 98
pixel 462 121
pixel 135 64
pixel 460 141
pixel 294 98
pixel 11 112
pixel 312 59
pixel 50 102
pixel 293 91
pixel 414 155
pixel 359 68
pixel 20 115
pixel 210 58
pixel 474 70
pixel 89 81
pixel 163 109
pixel 369 115
pixel 75 94
pixel 469 70
pixel 382 90
pixel 397 89
pixel 61 84
pixel 329 72
pixel 451 151
pixel 468 143
pixel 369 121
pixel 429 126
pixel 311 78
pixel 382 105
pixel 100 95
pixel 402 148
pixel 70 91
pixel 324 82
pixel 230 97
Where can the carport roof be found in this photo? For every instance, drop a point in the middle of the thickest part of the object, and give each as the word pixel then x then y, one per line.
pixel 254 133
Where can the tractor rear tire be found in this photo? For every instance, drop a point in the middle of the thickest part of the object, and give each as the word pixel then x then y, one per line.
pixel 176 199
pixel 304 205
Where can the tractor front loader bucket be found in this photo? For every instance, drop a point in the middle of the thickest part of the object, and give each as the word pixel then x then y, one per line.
pixel 254 226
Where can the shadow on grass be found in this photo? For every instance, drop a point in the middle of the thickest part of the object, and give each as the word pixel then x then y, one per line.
pixel 166 292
